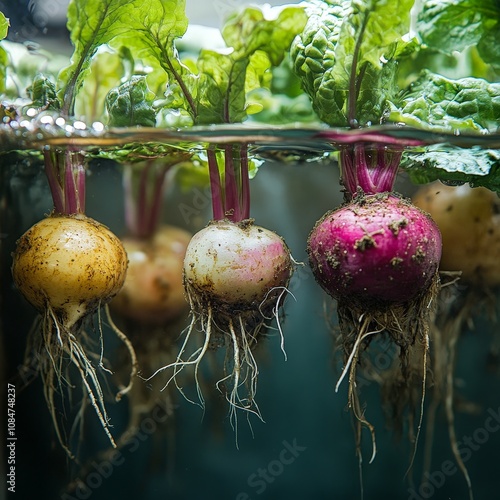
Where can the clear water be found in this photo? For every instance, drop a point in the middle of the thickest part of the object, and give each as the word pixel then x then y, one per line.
pixel 197 458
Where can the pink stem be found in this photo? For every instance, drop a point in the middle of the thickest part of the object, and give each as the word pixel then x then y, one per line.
pixel 245 182
pixel 348 172
pixel 232 207
pixel 364 178
pixel 65 172
pixel 52 173
pixel 215 185
pixel 373 169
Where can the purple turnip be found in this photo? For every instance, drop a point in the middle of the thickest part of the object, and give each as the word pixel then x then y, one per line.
pixel 378 256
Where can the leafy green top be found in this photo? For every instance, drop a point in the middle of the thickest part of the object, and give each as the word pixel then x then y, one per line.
pixel 361 66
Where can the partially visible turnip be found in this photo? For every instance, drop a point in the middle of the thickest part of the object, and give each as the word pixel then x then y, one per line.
pixel 469 221
pixel 153 292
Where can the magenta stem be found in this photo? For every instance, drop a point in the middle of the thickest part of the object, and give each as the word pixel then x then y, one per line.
pixel 347 170
pixel 215 185
pixel 245 182
pixel 144 187
pixel 369 168
pixel 65 172
pixel 232 199
pixel 52 173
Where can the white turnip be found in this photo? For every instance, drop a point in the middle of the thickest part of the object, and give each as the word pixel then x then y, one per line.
pixel 235 278
pixel 235 275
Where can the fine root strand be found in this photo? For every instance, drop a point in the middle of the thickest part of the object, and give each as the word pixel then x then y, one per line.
pixel 55 350
pixel 131 351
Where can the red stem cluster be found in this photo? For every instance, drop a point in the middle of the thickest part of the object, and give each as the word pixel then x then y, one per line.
pixel 371 168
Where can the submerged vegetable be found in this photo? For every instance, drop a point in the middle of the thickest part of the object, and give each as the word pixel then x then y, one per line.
pixel 235 276
pixel 375 251
pixel 469 220
pixel 68 266
pixel 235 268
pixel 153 293
pixel 378 257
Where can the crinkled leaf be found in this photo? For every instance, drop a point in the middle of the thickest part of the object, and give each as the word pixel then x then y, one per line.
pixel 131 104
pixel 439 103
pixel 479 167
pixel 43 94
pixel 453 25
pixel 251 30
pixel 313 57
pixel 341 34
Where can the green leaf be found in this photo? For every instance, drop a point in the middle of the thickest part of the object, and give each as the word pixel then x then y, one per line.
pixel 4 62
pixel 479 167
pixel 453 25
pixel 251 30
pixel 4 26
pixel 22 62
pixel 43 94
pixel 144 26
pixel 345 57
pixel 377 32
pixel 151 30
pixel 131 104
pixel 138 152
pixel 438 103
pixel 106 71
pixel 4 59
pixel 217 92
